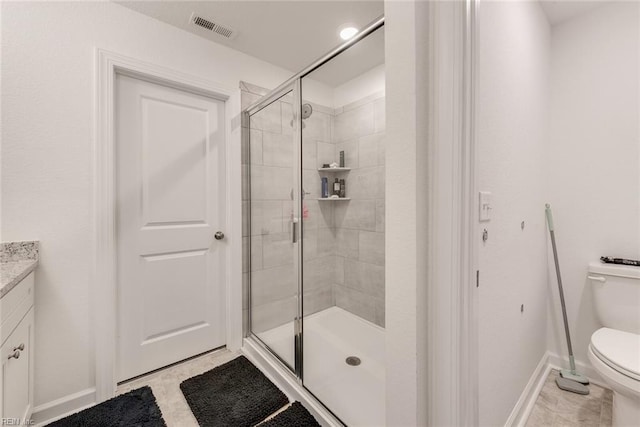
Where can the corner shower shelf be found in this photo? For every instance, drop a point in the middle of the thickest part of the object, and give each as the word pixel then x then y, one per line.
pixel 333 169
pixel 335 198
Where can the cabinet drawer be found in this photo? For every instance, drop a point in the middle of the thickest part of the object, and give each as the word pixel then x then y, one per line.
pixel 14 305
pixel 16 356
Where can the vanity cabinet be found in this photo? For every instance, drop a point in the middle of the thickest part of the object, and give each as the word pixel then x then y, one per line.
pixel 16 352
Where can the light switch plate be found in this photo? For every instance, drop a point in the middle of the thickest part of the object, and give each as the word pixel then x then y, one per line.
pixel 485 206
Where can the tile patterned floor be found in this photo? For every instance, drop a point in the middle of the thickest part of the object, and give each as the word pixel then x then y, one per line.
pixel 559 408
pixel 165 385
pixel 553 408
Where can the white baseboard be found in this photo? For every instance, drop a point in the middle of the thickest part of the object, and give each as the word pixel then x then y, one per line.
pixel 527 400
pixel 562 362
pixel 279 375
pixel 60 408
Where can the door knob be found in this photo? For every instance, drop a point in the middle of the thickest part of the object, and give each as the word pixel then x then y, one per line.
pixel 219 235
pixel 15 355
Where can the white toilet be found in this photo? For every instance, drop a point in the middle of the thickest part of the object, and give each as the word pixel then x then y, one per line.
pixel 615 349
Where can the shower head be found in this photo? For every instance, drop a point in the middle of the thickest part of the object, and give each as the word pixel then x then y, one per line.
pixel 307 109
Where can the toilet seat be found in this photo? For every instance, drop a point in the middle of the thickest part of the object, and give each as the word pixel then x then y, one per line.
pixel 620 350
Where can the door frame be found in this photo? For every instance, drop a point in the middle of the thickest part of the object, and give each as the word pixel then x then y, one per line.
pixel 104 283
pixel 453 272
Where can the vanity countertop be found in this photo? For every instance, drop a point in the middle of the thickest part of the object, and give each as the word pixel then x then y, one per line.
pixel 17 260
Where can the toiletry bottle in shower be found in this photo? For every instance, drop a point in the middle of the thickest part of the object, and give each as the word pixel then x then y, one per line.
pixel 342 159
pixel 343 190
pixel 336 187
pixel 325 187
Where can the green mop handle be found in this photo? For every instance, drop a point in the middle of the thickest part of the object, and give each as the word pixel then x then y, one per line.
pixel 564 309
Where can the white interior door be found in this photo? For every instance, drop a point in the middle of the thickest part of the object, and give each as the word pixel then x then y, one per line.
pixel 171 202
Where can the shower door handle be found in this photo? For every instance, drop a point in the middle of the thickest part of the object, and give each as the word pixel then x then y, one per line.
pixel 294 224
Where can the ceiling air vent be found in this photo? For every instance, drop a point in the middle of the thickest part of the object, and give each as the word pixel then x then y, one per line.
pixel 211 26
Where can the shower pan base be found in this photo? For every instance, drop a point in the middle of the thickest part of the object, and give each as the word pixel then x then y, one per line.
pixel 356 394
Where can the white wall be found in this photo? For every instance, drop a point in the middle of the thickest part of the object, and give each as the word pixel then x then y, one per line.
pixel 47 154
pixel 369 83
pixel 406 193
pixel 558 122
pixel 512 151
pixel 594 157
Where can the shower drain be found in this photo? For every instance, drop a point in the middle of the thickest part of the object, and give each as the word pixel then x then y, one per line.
pixel 353 361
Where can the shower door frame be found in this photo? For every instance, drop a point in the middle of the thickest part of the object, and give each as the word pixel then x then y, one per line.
pixel 294 85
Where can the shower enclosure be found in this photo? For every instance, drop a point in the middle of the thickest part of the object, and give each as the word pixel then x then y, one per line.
pixel 314 227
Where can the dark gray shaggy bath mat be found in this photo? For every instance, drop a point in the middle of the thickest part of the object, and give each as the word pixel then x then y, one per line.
pixel 234 394
pixel 137 408
pixel 295 415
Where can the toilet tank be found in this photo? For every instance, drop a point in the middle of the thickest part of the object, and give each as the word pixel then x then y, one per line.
pixel 616 295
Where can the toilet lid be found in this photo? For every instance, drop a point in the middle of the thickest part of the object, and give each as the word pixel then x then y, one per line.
pixel 618 349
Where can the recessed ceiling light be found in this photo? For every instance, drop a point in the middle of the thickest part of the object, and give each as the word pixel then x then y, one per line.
pixel 348 32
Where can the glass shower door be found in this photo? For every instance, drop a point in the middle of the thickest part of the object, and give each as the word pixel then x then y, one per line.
pixel 274 225
pixel 317 227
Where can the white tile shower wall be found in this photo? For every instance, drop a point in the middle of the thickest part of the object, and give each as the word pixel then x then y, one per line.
pixel 268 150
pixel 359 131
pixel 343 242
